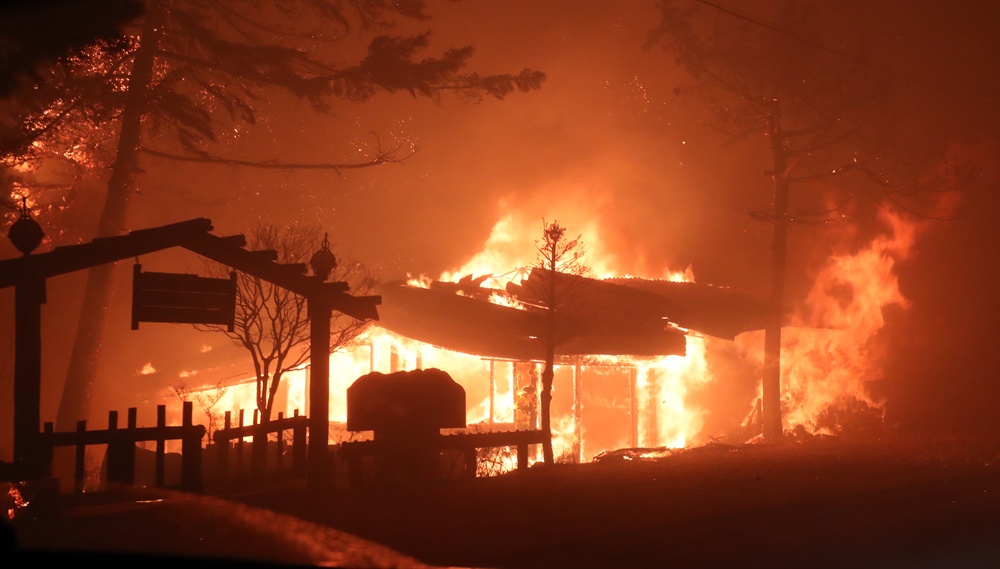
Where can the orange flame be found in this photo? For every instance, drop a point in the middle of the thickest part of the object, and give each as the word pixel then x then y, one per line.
pixel 829 354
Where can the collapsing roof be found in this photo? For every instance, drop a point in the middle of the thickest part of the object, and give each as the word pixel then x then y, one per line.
pixel 635 317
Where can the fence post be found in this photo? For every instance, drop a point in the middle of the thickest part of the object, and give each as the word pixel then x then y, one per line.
pixel 239 448
pixel 258 456
pixel 299 445
pixel 222 448
pixel 128 448
pixel 81 455
pixel 280 443
pixel 191 451
pixel 161 446
pixel 115 458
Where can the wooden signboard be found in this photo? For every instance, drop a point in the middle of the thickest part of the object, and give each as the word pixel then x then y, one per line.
pixel 182 299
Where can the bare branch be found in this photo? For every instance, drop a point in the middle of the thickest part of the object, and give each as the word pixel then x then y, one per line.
pixel 272 323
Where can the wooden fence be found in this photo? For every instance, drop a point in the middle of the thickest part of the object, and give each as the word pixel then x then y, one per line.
pixel 230 461
pixel 121 448
pixel 259 433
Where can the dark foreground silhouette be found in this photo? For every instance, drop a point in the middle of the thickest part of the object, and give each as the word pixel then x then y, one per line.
pixel 816 503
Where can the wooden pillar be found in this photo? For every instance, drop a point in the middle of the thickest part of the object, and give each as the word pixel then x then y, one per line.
pixel 515 388
pixel 493 391
pixel 29 295
pixel 536 381
pixel 633 405
pixel 319 391
pixel 512 382
pixel 652 430
pixel 517 381
pixel 578 409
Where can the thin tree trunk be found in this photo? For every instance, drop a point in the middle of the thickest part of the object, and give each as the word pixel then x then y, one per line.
pixel 548 374
pixel 771 404
pixel 84 359
pixel 546 409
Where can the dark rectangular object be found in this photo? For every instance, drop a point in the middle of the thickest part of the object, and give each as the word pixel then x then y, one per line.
pixel 182 298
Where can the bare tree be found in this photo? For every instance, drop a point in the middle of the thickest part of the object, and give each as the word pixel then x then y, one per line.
pixel 272 323
pixel 556 254
pixel 206 399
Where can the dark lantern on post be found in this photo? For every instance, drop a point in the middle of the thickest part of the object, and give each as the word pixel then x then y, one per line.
pixel 25 233
pixel 323 262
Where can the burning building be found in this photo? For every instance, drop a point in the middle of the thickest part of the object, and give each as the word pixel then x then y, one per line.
pixel 643 361
pixel 628 327
pixel 626 346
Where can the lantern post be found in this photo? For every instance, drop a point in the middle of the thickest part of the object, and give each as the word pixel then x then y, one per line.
pixel 29 295
pixel 320 312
